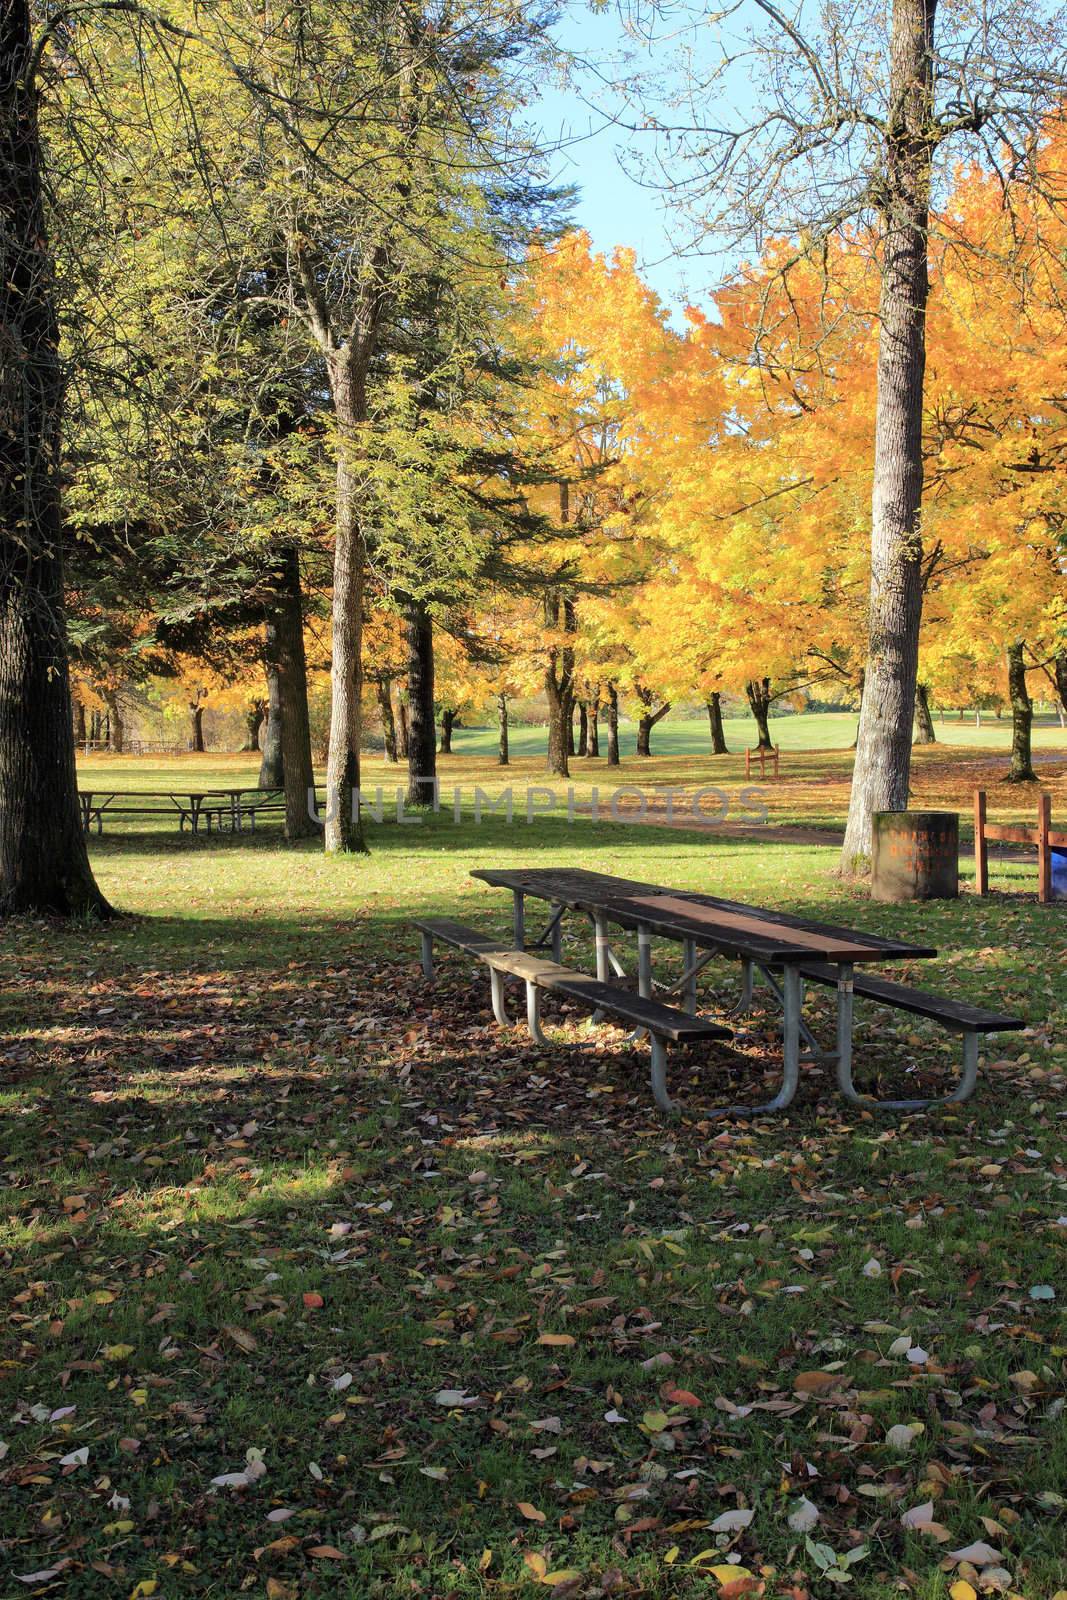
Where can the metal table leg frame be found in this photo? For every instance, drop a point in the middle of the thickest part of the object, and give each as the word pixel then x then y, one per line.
pixel 553 934
pixel 815 1054
pixel 519 919
pixel 427 956
pixel 496 986
pixel 963 1090
pixel 659 1074
pixel 744 1005
pixel 790 1054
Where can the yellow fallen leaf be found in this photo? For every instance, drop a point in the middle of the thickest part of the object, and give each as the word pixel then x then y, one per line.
pixel 530 1512
pixel 101 1297
pixel 556 1338
pixel 124 1525
pixel 724 1574
pixel 117 1352
pixel 146 1586
pixel 672 1555
pixel 139 1397
pixel 485 1560
pixel 562 1575
pixel 962 1590
pixel 537 1564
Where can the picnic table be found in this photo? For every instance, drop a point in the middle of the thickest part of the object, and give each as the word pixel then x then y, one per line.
pixel 193 806
pixel 778 945
pixel 789 951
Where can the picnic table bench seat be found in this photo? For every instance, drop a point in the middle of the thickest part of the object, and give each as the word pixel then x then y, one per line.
pixel 956 1016
pixel 661 1022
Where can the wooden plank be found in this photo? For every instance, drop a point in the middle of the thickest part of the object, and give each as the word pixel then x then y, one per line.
pixel 1011 833
pixel 954 1013
pixel 1044 852
pixel 981 852
pixel 747 932
pixel 664 1020
pixel 890 948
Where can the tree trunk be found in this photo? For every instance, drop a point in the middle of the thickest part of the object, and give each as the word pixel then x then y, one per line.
pixel 718 737
pixel 1060 670
pixel 594 724
pixel 422 744
pixel 272 761
pixel 343 829
pixel 925 732
pixel 116 727
pixel 384 691
pixel 883 751
pixel 758 691
pixel 44 862
pixel 559 683
pixel 1022 717
pixel 402 737
pixel 613 726
pixel 196 728
pixel 448 719
pixel 255 712
pixel 503 759
pixel 80 734
pixel 298 773
pixel 648 719
pixel 583 729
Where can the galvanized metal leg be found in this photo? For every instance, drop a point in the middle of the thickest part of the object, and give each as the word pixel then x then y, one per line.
pixel 427 956
pixel 496 987
pixel 805 1032
pixel 791 1054
pixel 533 1013
pixel 748 971
pixel 659 1075
pixel 844 1021
pixel 603 950
pixel 519 919
pixel 970 1071
pixel 689 992
pixel 963 1090
pixel 644 962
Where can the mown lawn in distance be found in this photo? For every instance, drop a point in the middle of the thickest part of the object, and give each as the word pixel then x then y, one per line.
pixel 484 1315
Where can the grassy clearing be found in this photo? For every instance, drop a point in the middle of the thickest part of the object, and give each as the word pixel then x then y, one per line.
pixel 267 1191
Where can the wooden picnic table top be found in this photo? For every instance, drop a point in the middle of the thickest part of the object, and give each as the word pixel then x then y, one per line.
pixel 177 794
pixel 748 931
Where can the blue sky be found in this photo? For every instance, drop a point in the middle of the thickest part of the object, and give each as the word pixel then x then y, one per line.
pixel 612 206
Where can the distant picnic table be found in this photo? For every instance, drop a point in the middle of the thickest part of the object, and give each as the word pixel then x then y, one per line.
pixel 221 808
pixel 789 951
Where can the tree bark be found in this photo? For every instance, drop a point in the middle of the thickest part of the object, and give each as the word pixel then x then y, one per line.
pixel 559 682
pixel 594 724
pixel 613 726
pixel 422 744
pixel 44 861
pixel 883 750
pixel 384 692
pixel 1022 718
pixel 758 691
pixel 1059 668
pixel 343 822
pixel 583 728
pixel 648 719
pixel 255 713
pixel 718 736
pixel 272 762
pixel 402 726
pixel 80 734
pixel 196 726
pixel 448 720
pixel 116 726
pixel 504 757
pixel 298 773
pixel 925 732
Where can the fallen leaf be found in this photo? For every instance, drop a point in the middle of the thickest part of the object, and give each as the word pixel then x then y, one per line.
pixel 731 1521
pixel 530 1512
pixel 978 1554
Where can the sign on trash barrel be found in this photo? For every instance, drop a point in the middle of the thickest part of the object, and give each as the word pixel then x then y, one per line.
pixel 915 855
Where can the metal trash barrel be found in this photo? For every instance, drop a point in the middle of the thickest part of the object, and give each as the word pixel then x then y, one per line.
pixel 915 855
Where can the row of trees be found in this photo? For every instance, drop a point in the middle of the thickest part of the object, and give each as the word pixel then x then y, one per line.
pixel 340 393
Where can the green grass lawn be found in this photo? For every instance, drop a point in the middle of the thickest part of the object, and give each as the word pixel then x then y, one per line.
pixel 469 1314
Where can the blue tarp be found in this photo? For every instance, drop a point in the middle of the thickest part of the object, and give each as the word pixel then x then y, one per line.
pixel 1059 874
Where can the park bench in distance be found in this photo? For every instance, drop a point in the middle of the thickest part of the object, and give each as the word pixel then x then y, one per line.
pixel 664 1024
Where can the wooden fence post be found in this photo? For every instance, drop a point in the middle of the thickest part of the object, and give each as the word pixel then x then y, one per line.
pixel 1044 849
pixel 981 848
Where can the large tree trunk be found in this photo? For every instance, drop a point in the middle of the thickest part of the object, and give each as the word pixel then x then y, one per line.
pixel 80 734
pixel 196 727
pixel 1022 718
pixel 298 773
pixel 402 735
pixel 594 724
pixel 613 726
pixel 759 703
pixel 384 691
pixel 648 719
pixel 44 863
pixel 422 743
pixel 448 722
pixel 883 749
pixel 255 712
pixel 718 736
pixel 559 682
pixel 583 729
pixel 1060 671
pixel 925 732
pixel 504 757
pixel 116 726
pixel 272 762
pixel 343 823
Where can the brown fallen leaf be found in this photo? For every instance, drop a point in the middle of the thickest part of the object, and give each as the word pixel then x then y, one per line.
pixel 818 1382
pixel 326 1552
pixel 556 1338
pixel 530 1512
pixel 241 1337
